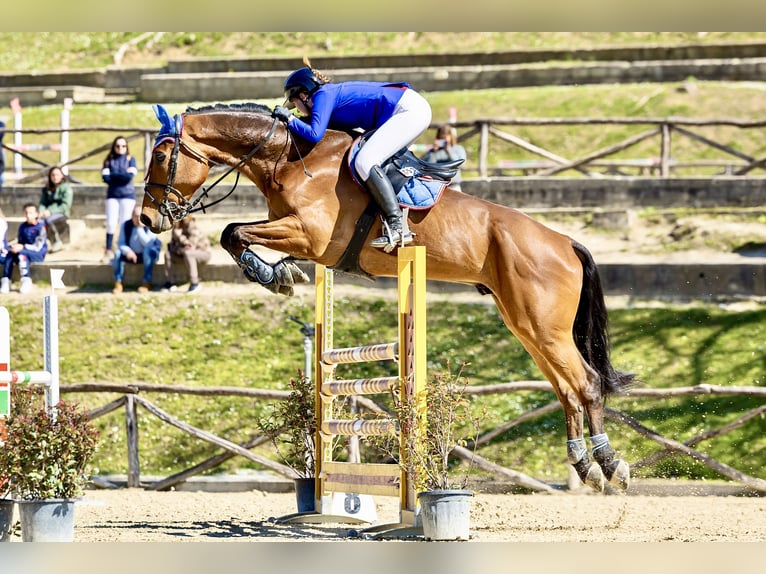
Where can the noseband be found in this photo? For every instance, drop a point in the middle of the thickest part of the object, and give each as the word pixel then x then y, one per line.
pixel 174 205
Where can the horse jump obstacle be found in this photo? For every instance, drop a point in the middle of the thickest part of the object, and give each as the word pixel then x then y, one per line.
pixel 410 350
pixel 49 376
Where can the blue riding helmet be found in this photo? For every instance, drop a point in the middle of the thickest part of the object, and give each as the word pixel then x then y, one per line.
pixel 301 80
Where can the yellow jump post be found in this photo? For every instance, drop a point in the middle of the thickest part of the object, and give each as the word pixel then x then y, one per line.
pixel 409 350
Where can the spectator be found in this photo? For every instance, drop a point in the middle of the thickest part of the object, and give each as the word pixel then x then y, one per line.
pixel 445 148
pixel 118 171
pixel 137 244
pixel 190 246
pixel 3 238
pixel 32 246
pixel 55 205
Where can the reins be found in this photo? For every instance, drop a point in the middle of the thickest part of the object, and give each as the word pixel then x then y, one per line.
pixel 177 210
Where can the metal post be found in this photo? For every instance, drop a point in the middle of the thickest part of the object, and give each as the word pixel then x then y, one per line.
pixel 308 331
pixel 51 348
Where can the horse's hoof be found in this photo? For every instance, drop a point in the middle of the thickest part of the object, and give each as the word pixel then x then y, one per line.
pixel 620 474
pixel 288 273
pixel 595 477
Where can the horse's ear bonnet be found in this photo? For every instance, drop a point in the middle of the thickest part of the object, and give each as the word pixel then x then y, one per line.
pixel 170 127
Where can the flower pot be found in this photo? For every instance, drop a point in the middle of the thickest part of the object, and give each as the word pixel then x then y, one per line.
pixel 304 494
pixel 49 520
pixel 6 518
pixel 445 514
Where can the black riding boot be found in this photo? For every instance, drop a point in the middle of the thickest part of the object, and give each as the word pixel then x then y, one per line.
pixel 383 193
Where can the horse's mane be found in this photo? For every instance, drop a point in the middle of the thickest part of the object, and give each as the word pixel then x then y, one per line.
pixel 248 107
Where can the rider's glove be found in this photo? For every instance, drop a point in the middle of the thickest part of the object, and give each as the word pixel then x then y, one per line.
pixel 282 114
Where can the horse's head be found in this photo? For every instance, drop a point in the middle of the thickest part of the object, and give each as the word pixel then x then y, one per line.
pixel 175 172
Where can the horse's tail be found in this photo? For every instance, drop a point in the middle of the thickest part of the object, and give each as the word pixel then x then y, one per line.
pixel 591 327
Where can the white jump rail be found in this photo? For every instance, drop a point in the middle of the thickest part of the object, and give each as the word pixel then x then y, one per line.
pixel 48 377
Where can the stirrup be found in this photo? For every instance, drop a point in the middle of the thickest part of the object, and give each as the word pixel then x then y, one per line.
pixel 392 237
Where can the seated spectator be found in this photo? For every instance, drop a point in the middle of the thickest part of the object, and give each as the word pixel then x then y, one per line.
pixel 137 245
pixel 32 246
pixel 3 239
pixel 445 148
pixel 55 205
pixel 188 246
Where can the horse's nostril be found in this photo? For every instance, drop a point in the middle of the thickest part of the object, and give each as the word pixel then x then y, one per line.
pixel 146 220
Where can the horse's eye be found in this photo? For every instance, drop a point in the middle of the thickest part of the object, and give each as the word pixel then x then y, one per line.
pixel 159 157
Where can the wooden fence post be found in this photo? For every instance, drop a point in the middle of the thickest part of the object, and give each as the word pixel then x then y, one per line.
pixel 131 427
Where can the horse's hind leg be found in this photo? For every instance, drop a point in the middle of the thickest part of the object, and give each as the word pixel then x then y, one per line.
pixel 547 336
pixel 588 396
pixel 617 471
pixel 561 371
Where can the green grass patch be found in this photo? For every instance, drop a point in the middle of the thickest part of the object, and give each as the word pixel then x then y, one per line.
pixel 249 341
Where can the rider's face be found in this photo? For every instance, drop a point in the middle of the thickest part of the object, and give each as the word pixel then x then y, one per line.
pixel 303 102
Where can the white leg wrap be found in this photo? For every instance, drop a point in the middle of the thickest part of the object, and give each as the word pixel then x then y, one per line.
pixel 598 441
pixel 576 449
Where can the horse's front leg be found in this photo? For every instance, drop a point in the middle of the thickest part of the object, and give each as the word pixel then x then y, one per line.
pixel 279 277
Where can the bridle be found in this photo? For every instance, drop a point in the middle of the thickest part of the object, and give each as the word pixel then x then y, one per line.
pixel 173 204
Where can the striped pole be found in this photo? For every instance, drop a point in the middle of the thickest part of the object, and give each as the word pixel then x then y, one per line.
pixel 49 376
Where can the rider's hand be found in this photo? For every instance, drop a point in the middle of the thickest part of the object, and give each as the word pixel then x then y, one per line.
pixel 282 114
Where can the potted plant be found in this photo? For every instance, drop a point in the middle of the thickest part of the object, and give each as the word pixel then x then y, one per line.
pixel 443 495
pixel 291 427
pixel 44 461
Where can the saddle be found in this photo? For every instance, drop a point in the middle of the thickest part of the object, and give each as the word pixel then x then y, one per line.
pixel 418 185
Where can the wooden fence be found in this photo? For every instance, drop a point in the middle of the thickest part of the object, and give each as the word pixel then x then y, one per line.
pixel 494 135
pixel 663 164
pixel 131 398
pixel 45 161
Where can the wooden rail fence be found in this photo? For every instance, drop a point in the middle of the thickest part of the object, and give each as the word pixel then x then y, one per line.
pixel 490 131
pixel 131 399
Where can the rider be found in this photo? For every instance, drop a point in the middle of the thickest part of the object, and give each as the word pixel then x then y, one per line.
pixel 398 113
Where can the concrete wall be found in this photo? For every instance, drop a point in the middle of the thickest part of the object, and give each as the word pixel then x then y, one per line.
pixel 221 86
pixel 220 79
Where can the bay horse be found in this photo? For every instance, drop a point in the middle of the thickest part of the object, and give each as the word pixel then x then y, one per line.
pixel 545 284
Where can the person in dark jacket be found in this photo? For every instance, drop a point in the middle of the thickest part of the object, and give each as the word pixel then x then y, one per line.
pixel 397 113
pixel 31 247
pixel 117 172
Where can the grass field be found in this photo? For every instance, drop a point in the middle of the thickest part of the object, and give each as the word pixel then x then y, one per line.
pixel 247 340
pixel 41 51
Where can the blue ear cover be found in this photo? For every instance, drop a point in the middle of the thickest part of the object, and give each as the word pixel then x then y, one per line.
pixel 168 126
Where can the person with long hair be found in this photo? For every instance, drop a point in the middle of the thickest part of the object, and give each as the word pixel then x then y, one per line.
pixel 55 205
pixel 397 113
pixel 118 171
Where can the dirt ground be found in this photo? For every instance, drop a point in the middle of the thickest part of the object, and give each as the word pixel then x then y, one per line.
pixel 136 515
